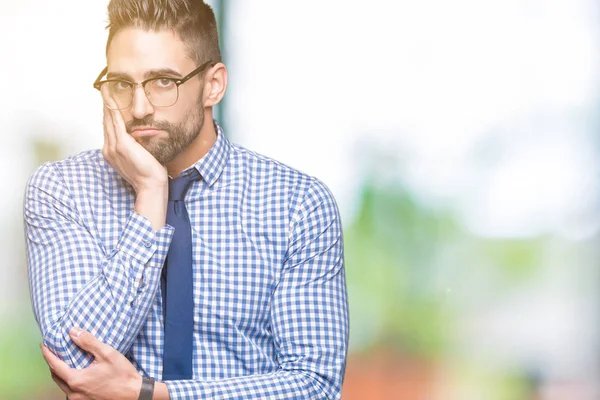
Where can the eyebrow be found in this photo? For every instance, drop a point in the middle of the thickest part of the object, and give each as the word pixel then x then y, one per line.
pixel 147 75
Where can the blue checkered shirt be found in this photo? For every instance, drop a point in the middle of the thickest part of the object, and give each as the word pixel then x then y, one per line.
pixel 270 305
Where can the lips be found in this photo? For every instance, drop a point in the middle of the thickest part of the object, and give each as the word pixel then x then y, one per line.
pixel 144 131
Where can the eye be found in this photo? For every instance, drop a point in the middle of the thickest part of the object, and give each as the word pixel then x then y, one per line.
pixel 164 83
pixel 120 86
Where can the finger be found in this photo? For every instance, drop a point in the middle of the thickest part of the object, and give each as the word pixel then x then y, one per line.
pixel 107 157
pixel 109 130
pixel 118 124
pixel 110 102
pixel 88 342
pixel 61 384
pixel 57 366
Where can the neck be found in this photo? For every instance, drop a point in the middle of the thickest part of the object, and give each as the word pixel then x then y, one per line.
pixel 196 150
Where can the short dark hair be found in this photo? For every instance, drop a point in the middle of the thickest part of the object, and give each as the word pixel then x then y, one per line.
pixel 193 20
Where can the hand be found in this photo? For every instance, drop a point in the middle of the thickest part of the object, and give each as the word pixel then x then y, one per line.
pixel 131 160
pixel 110 377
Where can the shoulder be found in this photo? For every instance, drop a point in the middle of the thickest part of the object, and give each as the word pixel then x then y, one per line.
pixel 257 163
pixel 78 169
pixel 304 190
pixel 264 169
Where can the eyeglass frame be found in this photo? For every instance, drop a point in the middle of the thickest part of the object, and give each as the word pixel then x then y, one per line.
pixel 178 82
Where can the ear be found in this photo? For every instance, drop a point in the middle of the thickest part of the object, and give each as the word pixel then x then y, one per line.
pixel 215 84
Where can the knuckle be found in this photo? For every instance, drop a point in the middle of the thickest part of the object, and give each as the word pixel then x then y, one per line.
pixel 75 383
pixel 84 338
pixel 108 355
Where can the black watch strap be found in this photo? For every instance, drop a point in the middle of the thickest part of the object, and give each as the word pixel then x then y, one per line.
pixel 147 388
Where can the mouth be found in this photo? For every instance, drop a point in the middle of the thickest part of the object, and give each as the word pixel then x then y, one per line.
pixel 144 131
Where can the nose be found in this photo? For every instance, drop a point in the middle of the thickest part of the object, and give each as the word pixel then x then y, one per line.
pixel 140 105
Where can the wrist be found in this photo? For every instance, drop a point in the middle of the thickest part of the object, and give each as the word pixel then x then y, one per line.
pixel 153 205
pixel 161 391
pixel 153 186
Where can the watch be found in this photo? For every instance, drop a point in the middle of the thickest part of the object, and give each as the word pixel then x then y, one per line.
pixel 147 388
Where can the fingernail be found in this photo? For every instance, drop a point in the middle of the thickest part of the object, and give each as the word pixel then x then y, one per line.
pixel 76 332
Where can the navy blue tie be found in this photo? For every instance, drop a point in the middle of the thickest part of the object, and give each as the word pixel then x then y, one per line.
pixel 177 285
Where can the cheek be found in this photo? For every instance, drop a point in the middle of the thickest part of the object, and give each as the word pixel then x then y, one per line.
pixel 191 95
pixel 178 114
pixel 188 108
pixel 185 110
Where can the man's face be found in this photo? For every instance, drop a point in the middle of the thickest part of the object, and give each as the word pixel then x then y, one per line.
pixel 135 55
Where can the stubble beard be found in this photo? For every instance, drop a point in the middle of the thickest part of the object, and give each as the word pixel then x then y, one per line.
pixel 179 136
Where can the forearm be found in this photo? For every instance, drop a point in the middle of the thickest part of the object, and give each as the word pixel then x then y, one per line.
pixel 280 385
pixel 74 284
pixel 111 305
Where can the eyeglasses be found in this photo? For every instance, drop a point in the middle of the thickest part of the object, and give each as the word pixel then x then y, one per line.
pixel 162 91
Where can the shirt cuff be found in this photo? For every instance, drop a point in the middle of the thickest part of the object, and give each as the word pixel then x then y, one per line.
pixel 140 242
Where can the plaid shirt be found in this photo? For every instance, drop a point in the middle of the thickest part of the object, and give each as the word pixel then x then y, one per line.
pixel 271 315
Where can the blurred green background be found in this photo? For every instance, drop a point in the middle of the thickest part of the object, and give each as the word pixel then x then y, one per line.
pixel 460 140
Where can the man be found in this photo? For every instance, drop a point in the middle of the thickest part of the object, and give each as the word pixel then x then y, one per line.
pixel 173 263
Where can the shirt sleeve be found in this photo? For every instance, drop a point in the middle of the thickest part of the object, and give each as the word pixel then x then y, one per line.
pixel 309 315
pixel 74 282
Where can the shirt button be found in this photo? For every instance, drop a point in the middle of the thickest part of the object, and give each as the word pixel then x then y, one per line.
pixel 148 244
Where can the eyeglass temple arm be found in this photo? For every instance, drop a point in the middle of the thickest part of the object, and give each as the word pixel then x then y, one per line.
pixel 100 76
pixel 194 72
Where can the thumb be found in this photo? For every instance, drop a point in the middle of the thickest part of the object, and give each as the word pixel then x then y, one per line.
pixel 88 342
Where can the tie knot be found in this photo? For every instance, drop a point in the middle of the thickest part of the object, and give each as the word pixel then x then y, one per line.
pixel 178 187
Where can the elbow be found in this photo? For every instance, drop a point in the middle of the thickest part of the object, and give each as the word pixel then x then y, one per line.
pixel 56 338
pixel 325 385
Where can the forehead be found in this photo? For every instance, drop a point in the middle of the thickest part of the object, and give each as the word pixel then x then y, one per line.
pixel 134 51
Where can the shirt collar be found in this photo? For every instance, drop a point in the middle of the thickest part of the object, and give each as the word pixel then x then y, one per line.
pixel 212 164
